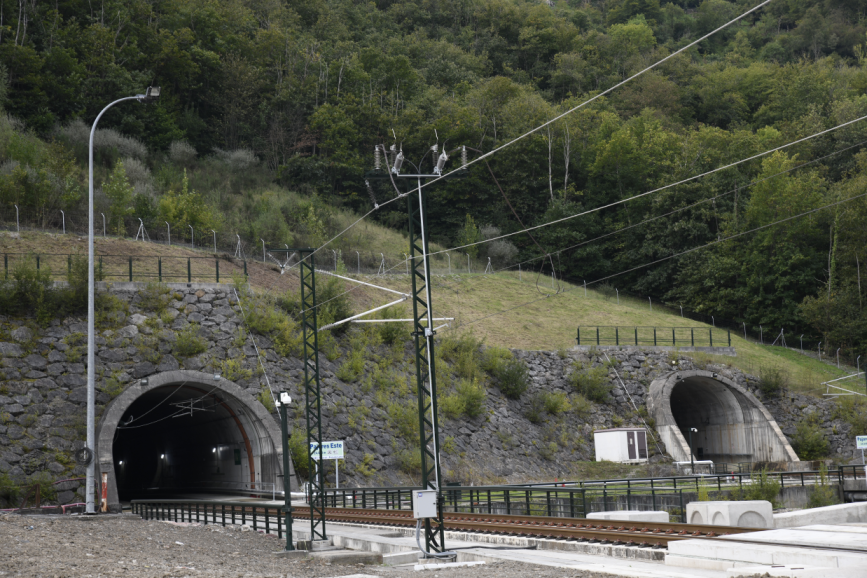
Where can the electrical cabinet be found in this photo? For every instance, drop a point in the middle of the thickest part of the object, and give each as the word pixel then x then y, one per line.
pixel 424 504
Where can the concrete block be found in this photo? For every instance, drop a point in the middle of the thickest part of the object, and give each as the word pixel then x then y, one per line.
pixel 747 514
pixel 292 554
pixel 348 557
pixel 446 565
pixel 399 558
pixel 839 514
pixel 631 516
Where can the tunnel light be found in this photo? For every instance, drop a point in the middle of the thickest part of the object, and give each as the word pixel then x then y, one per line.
pixel 162 456
pixel 692 429
pixel 677 376
pixel 120 463
pixel 216 377
pixel 714 376
pixel 144 381
pixel 213 451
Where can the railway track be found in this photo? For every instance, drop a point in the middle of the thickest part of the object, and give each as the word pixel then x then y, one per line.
pixel 578 529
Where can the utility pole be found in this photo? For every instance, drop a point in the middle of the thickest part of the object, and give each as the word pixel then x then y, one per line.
pixel 423 329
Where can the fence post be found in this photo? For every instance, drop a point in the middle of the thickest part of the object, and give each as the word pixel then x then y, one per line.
pixel 217 261
pixel 68 266
pixel 682 510
pixel 636 336
pixel 692 336
pixel 189 271
pixel 673 338
pixel 160 268
pixel 5 266
pixel 578 338
pixel 130 268
pixel 730 337
pixel 616 336
pixel 37 262
pixel 710 334
pixel 597 336
pixel 654 342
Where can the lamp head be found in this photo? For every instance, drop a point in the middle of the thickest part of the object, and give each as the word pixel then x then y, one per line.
pixel 152 93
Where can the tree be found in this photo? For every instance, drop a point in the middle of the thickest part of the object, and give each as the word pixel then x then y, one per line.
pixel 120 194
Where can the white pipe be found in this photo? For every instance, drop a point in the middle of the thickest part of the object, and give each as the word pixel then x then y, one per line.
pixel 361 282
pixel 348 319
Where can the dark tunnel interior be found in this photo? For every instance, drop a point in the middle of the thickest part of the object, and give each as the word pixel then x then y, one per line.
pixel 182 439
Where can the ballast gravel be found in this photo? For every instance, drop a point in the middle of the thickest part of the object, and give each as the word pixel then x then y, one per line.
pixel 91 547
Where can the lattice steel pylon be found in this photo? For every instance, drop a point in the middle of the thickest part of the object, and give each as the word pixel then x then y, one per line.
pixel 425 370
pixel 312 393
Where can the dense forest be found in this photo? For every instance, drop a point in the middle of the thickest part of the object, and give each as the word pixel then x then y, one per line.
pixel 266 97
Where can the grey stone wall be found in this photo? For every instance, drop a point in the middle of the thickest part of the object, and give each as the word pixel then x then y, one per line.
pixel 43 395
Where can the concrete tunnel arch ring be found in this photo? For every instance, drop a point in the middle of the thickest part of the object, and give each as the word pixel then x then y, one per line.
pixel 116 408
pixel 756 433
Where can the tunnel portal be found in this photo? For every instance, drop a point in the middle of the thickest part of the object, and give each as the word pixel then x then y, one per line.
pixel 732 425
pixel 184 432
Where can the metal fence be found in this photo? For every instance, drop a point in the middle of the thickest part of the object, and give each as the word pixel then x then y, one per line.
pixel 211 512
pixel 669 336
pixel 136 268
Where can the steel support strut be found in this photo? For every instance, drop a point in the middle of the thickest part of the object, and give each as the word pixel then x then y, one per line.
pixel 424 367
pixel 307 270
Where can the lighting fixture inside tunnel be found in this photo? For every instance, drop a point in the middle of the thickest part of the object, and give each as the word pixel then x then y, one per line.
pixel 162 456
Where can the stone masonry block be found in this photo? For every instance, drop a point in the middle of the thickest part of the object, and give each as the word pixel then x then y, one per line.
pixel 631 516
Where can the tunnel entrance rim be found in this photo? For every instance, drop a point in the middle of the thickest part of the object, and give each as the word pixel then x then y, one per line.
pixel 659 406
pixel 116 408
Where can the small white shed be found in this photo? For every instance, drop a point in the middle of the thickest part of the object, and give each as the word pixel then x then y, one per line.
pixel 626 445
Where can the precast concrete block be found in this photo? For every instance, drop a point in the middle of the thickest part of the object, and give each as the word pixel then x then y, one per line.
pixel 747 514
pixel 840 514
pixel 631 516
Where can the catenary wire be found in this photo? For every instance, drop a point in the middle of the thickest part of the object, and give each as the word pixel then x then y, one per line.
pixel 687 207
pixel 543 125
pixel 716 242
pixel 623 201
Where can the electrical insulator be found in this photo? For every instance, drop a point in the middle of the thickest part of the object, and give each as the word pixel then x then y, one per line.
pixel 464 156
pixel 377 160
pixel 435 148
pixel 398 162
pixel 441 162
pixel 370 192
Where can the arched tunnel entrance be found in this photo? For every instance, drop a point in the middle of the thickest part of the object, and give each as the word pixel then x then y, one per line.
pixel 732 425
pixel 185 432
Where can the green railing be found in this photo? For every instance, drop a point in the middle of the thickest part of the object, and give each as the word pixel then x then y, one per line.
pixel 667 336
pixel 137 268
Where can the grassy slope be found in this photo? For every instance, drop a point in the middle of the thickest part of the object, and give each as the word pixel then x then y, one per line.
pixel 476 301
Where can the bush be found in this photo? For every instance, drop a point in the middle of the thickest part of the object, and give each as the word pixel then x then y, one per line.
pixel 409 461
pixel 761 487
pixel 853 411
pixel 511 375
pixel 234 370
pixel 9 490
pixel 772 381
pixel 404 417
pixel 299 451
pixel 47 489
pixel 352 368
pixel 182 153
pixel 556 402
pixel 392 333
pixel 155 297
pixel 468 399
pixel 607 291
pixel 592 382
pixel 822 494
pixel 809 441
pixel 535 411
pixel 189 343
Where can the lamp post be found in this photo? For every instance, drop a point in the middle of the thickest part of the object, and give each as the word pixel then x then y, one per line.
pixel 283 401
pixel 691 457
pixel 152 93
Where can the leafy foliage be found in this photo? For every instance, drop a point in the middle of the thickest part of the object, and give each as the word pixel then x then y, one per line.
pixel 189 343
pixel 809 441
pixel 591 382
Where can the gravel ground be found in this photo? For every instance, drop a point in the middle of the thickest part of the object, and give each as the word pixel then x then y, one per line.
pixel 62 547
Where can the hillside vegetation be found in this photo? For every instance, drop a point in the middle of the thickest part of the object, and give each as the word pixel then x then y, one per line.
pixel 501 310
pixel 271 110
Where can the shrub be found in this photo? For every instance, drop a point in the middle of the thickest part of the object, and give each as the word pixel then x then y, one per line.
pixel 473 396
pixel 548 451
pixel 404 417
pixel 266 400
pixel 511 375
pixel 772 381
pixel 592 382
pixel 112 386
pixel 9 490
pixel 853 411
pixel 155 297
pixel 237 160
pixel 583 406
pixel 264 318
pixel 409 461
pixel 47 489
pixel 393 333
pixel 234 370
pixel 761 487
pixel 822 494
pixel 535 411
pixel 556 402
pixel 189 343
pixel 607 291
pixel 365 467
pixel 809 441
pixel 352 368
pixel 182 153
pixel 299 451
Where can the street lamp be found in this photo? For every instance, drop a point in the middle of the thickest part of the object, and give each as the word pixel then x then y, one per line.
pixel 283 401
pixel 151 94
pixel 691 457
